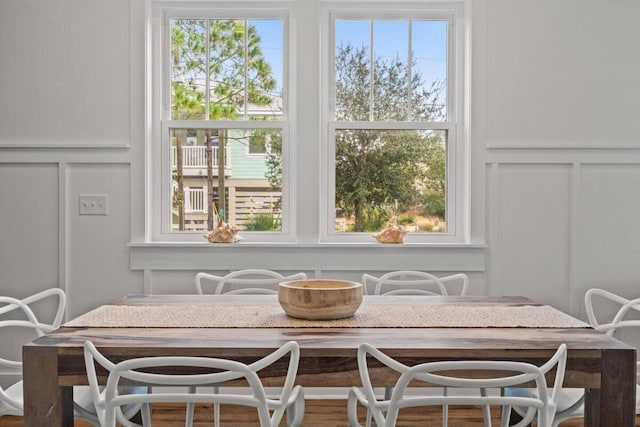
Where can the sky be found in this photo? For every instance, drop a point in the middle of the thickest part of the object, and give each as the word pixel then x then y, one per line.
pixel 429 42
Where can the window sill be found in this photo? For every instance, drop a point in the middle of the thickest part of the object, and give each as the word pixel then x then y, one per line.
pixel 307 257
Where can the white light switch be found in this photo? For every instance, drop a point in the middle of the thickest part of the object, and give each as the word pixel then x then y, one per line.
pixel 93 204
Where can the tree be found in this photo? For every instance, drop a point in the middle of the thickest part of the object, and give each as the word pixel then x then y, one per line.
pixel 214 51
pixel 377 168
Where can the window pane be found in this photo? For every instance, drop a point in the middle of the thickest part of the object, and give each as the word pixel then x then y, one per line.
pixel 406 86
pixel 429 88
pixel 390 71
pixel 267 37
pixel 244 190
pixel 188 59
pixel 226 69
pixel 352 68
pixel 393 176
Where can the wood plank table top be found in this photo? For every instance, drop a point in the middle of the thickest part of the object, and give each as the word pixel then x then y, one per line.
pixel 602 365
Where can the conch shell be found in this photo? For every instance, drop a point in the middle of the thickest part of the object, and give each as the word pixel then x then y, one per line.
pixel 223 233
pixel 391 234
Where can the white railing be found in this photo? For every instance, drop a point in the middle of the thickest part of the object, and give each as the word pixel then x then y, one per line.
pixel 196 157
pixel 244 205
pixel 195 200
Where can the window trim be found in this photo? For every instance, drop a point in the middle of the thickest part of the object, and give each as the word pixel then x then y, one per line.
pixel 158 162
pixel 456 123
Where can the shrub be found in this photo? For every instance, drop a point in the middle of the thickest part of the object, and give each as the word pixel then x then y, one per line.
pixel 425 224
pixel 375 218
pixel 261 222
pixel 406 219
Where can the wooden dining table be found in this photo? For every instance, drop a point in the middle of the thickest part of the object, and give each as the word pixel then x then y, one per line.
pixel 412 329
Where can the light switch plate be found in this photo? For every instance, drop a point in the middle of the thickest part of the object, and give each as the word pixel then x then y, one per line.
pixel 94 204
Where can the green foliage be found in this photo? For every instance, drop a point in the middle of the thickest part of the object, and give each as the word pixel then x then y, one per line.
pixel 434 204
pixel 223 42
pixel 376 167
pixel 433 198
pixel 375 218
pixel 261 222
pixel 406 219
pixel 214 64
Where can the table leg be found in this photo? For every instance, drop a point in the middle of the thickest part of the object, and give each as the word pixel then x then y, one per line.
pixel 67 406
pixel 614 405
pixel 42 397
pixel 591 407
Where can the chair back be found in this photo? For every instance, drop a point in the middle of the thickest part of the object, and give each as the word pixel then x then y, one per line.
pixel 20 314
pixel 210 371
pixel 249 281
pixel 451 374
pixel 622 320
pixel 20 324
pixel 408 282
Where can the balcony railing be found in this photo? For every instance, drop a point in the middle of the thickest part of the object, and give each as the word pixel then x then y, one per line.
pixel 196 157
pixel 195 200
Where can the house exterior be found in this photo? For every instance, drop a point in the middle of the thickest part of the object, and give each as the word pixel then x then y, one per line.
pixel 249 193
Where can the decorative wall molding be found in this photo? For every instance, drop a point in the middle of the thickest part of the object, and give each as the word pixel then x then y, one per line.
pixel 66 145
pixel 66 155
pixel 562 146
pixel 547 155
pixel 194 256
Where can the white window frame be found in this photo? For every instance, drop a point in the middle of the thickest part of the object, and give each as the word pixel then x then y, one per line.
pixel 456 125
pixel 158 102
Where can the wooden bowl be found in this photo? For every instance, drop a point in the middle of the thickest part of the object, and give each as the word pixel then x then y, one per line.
pixel 320 299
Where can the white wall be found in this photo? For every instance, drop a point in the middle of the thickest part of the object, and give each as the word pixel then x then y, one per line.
pixel 555 161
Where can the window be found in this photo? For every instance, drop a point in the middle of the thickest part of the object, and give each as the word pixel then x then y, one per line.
pixel 392 122
pixel 224 100
pixel 229 115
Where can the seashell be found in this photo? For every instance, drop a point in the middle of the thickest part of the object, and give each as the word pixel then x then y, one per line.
pixel 391 234
pixel 223 233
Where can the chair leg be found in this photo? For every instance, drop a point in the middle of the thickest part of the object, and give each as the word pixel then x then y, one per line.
pixel 216 409
pixel 505 416
pixel 146 414
pixel 188 420
pixel 445 410
pixel 486 410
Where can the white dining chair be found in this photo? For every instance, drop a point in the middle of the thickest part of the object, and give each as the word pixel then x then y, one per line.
pixel 21 315
pixel 611 314
pixel 409 282
pixel 248 281
pixel 240 282
pixel 450 374
pixel 18 325
pixel 270 410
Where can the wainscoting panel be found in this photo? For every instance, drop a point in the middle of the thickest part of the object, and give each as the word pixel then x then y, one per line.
pixel 609 233
pixel 97 253
pixel 563 220
pixel 28 228
pixel 530 247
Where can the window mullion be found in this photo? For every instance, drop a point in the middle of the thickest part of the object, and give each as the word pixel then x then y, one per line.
pixel 371 71
pixel 226 124
pixel 394 125
pixel 207 83
pixel 409 70
pixel 246 70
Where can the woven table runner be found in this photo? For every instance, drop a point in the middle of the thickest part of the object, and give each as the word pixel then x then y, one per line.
pixel 367 316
